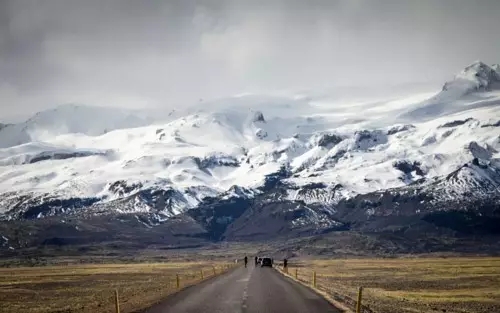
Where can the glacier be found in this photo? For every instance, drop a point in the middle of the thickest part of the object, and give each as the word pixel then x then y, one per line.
pixel 323 150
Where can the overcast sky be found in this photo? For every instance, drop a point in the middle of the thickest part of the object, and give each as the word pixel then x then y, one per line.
pixel 132 53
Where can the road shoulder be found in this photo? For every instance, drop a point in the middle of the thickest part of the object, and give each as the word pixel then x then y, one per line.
pixel 339 305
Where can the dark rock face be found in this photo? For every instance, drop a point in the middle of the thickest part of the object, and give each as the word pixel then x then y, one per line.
pixel 456 123
pixel 160 199
pixel 274 180
pixel 122 187
pixel 36 207
pixel 258 117
pixel 399 129
pixel 496 124
pixel 329 140
pixel 407 167
pixel 366 139
pixel 216 160
pixel 363 135
pixel 60 156
pixel 479 152
pixel 261 134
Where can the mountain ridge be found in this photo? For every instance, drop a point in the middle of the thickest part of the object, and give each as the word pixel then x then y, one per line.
pixel 300 166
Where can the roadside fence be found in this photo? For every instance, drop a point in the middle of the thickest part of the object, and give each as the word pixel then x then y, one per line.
pixel 187 279
pixel 311 278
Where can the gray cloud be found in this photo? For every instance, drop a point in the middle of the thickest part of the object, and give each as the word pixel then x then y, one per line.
pixel 166 53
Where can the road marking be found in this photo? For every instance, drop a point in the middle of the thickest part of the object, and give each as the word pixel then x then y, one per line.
pixel 245 292
pixel 245 297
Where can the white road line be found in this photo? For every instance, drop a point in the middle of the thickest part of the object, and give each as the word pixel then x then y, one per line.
pixel 245 292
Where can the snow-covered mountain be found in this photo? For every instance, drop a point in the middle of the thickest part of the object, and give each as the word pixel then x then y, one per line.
pixel 477 86
pixel 75 119
pixel 321 151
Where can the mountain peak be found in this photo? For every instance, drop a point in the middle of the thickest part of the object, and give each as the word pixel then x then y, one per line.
pixel 481 69
pixel 476 64
pixel 478 76
pixel 483 75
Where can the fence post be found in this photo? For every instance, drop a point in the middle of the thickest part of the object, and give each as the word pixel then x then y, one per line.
pixel 296 273
pixel 178 281
pixel 358 304
pixel 201 272
pixel 117 302
pixel 314 279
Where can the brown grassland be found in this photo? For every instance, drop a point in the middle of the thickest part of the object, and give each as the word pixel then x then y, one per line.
pixel 403 285
pixel 90 288
pixel 406 285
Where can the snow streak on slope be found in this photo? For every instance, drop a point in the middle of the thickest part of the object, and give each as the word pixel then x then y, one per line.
pixel 65 119
pixel 476 87
pixel 323 150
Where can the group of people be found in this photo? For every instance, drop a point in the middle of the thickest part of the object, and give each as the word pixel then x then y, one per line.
pixel 285 261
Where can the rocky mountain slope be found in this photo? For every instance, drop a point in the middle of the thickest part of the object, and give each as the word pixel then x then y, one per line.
pixel 256 167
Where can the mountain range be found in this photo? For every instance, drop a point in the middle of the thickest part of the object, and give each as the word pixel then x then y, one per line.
pixel 409 169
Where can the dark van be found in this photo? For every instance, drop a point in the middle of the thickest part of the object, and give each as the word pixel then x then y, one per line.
pixel 266 262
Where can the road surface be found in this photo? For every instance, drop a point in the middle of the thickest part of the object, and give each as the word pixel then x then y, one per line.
pixel 246 290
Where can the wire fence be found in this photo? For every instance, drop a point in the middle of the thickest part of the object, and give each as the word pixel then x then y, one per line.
pixel 308 276
pixel 94 288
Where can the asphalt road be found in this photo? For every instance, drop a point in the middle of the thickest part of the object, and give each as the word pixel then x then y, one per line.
pixel 246 290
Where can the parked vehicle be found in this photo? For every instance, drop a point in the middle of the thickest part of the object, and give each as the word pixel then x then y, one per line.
pixel 266 262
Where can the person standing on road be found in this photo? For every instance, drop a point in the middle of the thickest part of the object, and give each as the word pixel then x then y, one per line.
pixel 256 259
pixel 246 260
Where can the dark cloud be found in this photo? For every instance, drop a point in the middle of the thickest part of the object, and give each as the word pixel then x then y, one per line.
pixel 166 53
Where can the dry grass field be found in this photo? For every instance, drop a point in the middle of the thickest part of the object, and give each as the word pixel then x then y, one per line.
pixel 402 285
pixel 90 288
